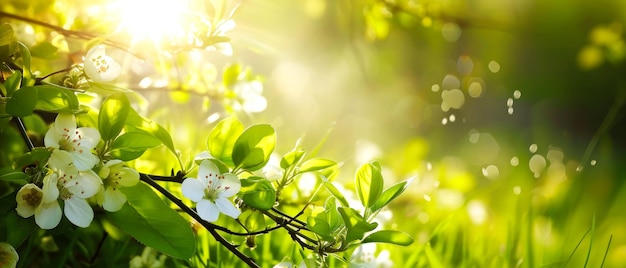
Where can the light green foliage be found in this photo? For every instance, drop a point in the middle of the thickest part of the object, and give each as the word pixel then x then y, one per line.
pixel 369 183
pixel 112 115
pixel 253 148
pixel 149 220
pixel 222 139
pixel 258 193
pixel 131 145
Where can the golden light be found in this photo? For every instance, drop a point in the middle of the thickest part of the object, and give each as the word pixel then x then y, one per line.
pixel 158 21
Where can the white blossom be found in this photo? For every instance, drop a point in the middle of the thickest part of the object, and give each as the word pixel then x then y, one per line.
pixel 99 67
pixel 115 175
pixel 79 142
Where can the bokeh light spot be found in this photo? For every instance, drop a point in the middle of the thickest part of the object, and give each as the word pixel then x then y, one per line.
pixel 450 82
pixel 517 94
pixel 464 65
pixel 514 161
pixel 491 172
pixel 451 32
pixel 475 89
pixel 494 66
pixel 452 99
pixel 536 164
pixel 533 148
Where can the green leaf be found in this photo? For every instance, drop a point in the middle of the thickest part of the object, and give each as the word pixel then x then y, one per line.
pixel 56 99
pixel 153 223
pixel 106 89
pixel 257 192
pixel 390 194
pixel 8 43
pixel 369 183
pixel 44 50
pixel 332 215
pixel 20 227
pixel 222 139
pixel 231 74
pixel 37 156
pixel 131 145
pixel 16 177
pixel 22 102
pixel 292 158
pixel 136 122
pixel 26 64
pixel 336 193
pixel 389 236
pixel 254 220
pixel 356 224
pixel 316 164
pixel 13 82
pixel 319 225
pixel 253 148
pixel 113 114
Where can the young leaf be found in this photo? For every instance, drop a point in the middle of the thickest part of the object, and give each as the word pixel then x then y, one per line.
pixel 389 236
pixel 258 193
pixel 390 194
pixel 153 223
pixel 292 158
pixel 37 156
pixel 316 164
pixel 230 75
pixel 136 122
pixel 15 177
pixel 13 82
pixel 22 102
pixel 131 145
pixel 253 148
pixel 25 53
pixel 319 225
pixel 356 224
pixel 369 183
pixel 254 220
pixel 336 193
pixel 56 99
pixel 222 139
pixel 113 114
pixel 8 43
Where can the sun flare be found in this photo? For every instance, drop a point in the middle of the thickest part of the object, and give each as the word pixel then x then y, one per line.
pixel 154 20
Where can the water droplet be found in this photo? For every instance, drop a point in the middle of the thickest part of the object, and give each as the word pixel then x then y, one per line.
pixel 514 161
pixel 435 88
pixel 517 94
pixel 533 148
pixel 464 65
pixel 517 190
pixel 451 32
pixel 494 66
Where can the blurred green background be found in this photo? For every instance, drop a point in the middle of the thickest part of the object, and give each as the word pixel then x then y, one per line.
pixel 508 113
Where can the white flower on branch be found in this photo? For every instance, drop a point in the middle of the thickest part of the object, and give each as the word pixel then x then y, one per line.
pixel 115 175
pixel 99 67
pixel 78 142
pixel 211 191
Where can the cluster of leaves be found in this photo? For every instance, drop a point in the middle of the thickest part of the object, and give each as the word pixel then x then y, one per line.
pixel 147 217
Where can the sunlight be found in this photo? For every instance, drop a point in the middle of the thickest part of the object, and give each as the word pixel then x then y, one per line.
pixel 160 21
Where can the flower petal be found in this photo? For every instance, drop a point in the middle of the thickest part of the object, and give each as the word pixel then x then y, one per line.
pixel 227 207
pixel 48 215
pixel 207 171
pixel 84 160
pixel 60 160
pixel 128 176
pixel 89 137
pixel 207 210
pixel 28 198
pixel 84 185
pixel 65 124
pixel 193 189
pixel 51 140
pixel 231 185
pixel 114 199
pixel 78 211
pixel 50 189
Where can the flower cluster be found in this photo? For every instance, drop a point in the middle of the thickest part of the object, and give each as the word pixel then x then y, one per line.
pixel 71 178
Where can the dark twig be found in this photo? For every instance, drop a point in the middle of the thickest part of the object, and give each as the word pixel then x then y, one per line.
pixel 209 226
